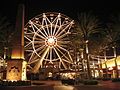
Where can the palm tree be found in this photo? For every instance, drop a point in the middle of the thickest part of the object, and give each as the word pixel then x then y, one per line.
pixel 6 30
pixel 88 24
pixel 100 53
pixel 76 44
pixel 113 36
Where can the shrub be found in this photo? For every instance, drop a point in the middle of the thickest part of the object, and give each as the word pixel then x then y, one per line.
pixel 38 83
pixel 116 80
pixel 106 79
pixel 90 82
pixel 15 83
pixel 68 81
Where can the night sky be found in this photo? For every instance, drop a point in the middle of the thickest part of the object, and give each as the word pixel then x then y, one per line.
pixel 102 8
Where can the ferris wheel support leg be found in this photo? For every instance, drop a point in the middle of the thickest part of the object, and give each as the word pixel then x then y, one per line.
pixel 39 63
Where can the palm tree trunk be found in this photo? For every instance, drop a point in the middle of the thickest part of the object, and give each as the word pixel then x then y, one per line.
pixel 83 69
pixel 106 64
pixel 99 68
pixel 88 61
pixel 115 60
pixel 94 69
pixel 88 68
pixel 83 64
pixel 5 52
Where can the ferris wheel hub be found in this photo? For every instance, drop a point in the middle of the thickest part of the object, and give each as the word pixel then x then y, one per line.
pixel 51 41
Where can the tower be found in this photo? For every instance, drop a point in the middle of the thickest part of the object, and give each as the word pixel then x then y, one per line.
pixel 16 66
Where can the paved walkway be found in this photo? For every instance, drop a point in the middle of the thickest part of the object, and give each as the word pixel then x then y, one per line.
pixel 57 85
pixel 103 85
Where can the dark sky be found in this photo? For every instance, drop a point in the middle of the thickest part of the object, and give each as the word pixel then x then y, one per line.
pixel 68 7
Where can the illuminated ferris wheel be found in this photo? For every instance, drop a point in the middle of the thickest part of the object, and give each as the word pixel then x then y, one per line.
pixel 46 40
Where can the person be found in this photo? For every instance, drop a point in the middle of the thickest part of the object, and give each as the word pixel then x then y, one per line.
pixel 76 80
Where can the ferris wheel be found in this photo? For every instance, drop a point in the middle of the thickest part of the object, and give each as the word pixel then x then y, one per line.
pixel 46 40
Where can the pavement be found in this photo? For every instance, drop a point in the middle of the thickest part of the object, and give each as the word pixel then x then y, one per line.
pixel 103 85
pixel 57 85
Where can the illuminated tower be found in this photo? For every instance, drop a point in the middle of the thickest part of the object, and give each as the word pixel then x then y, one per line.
pixel 16 66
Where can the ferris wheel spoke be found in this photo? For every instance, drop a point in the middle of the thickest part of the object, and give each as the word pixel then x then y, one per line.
pixel 28 39
pixel 28 44
pixel 30 36
pixel 47 56
pixel 61 27
pixel 63 42
pixel 29 33
pixel 62 48
pixel 38 30
pixel 39 42
pixel 55 27
pixel 63 35
pixel 67 61
pixel 67 52
pixel 50 54
pixel 34 61
pixel 46 18
pixel 56 18
pixel 31 56
pixel 37 38
pixel 31 24
pixel 36 34
pixel 40 52
pixel 58 23
pixel 39 48
pixel 51 26
pixel 29 51
pixel 70 57
pixel 66 28
pixel 58 30
pixel 46 24
pixel 41 27
pixel 60 59
pixel 52 59
pixel 63 54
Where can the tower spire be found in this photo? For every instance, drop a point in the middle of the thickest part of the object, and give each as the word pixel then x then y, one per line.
pixel 18 43
pixel 16 66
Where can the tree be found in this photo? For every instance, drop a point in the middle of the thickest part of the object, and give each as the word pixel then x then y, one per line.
pixel 113 36
pixel 88 24
pixel 6 32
